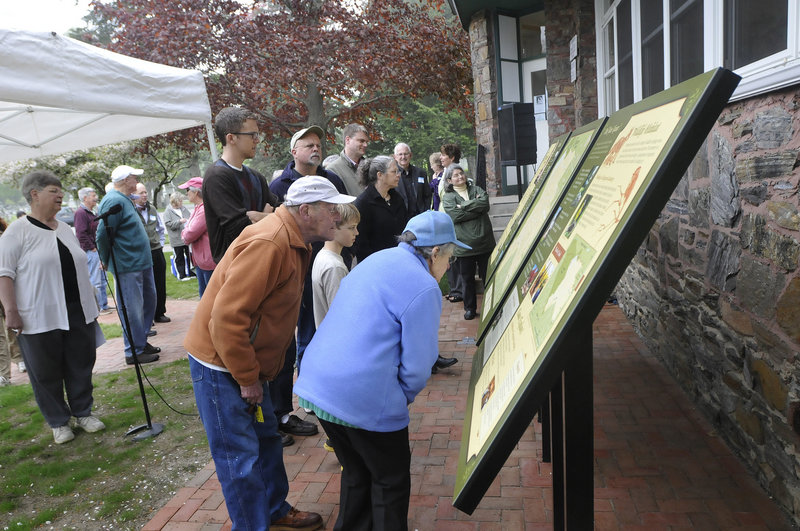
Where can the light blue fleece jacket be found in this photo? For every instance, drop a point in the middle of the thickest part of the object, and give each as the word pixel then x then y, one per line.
pixel 374 350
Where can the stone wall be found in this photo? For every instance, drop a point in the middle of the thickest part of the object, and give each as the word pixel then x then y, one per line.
pixel 570 105
pixel 714 291
pixel 484 73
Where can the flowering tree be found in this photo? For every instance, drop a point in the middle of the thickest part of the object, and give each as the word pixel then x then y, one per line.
pixel 302 62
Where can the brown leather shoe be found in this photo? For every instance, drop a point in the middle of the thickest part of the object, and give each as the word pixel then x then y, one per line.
pixel 295 520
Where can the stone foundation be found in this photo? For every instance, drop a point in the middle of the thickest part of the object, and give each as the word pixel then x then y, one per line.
pixel 715 291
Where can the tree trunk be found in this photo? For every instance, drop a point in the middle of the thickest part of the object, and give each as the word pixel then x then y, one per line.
pixel 316 112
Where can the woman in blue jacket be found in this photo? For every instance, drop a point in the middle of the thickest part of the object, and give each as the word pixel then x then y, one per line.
pixel 367 362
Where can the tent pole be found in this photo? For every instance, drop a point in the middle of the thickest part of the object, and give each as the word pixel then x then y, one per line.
pixel 212 146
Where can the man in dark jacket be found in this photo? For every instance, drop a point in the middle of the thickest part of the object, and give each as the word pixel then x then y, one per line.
pixel 306 149
pixel 155 233
pixel 414 186
pixel 234 195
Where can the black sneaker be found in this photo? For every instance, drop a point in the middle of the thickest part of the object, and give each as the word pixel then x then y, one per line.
pixel 143 358
pixel 295 426
pixel 150 349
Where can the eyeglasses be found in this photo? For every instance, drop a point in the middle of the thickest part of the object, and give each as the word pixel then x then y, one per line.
pixel 452 259
pixel 331 209
pixel 258 137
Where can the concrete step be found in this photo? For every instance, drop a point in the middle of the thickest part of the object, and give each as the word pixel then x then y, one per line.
pixel 500 211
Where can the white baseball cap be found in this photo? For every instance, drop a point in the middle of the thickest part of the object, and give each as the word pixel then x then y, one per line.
pixel 303 132
pixel 312 189
pixel 122 172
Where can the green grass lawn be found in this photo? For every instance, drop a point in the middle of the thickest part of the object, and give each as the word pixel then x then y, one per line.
pixel 102 477
pixel 175 288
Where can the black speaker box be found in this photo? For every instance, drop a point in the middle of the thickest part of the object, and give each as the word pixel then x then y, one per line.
pixel 517 134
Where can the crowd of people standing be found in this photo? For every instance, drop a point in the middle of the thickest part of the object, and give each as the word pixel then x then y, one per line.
pixel 283 268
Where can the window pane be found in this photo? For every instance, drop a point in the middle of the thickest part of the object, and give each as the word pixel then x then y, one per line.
pixel 686 39
pixel 610 95
pixel 509 73
pixel 609 34
pixel 531 35
pixel 508 37
pixel 754 30
pixel 652 48
pixel 625 51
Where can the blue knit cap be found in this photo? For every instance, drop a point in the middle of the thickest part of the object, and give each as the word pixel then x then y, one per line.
pixel 433 228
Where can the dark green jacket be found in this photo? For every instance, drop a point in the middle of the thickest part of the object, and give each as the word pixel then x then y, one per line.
pixel 471 219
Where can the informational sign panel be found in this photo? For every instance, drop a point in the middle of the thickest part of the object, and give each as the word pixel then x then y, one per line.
pixel 624 182
pixel 546 204
pixel 525 203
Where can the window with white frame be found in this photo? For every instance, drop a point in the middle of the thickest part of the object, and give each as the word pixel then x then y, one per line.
pixel 645 46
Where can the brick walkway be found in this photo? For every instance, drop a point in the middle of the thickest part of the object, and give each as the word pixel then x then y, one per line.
pixel 658 464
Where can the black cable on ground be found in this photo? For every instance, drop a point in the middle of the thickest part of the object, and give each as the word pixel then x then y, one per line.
pixel 141 367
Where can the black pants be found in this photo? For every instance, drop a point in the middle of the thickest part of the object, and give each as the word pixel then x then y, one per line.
pixel 456 289
pixel 59 361
pixel 376 478
pixel 160 278
pixel 465 267
pixel 281 389
pixel 183 260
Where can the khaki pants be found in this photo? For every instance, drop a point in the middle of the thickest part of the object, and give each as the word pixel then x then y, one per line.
pixel 9 348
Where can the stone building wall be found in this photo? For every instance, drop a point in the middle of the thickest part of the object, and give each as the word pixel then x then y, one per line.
pixel 484 73
pixel 570 104
pixel 714 291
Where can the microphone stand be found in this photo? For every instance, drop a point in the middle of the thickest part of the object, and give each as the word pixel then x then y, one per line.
pixel 145 430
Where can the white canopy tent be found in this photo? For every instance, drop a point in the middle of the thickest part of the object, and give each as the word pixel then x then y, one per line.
pixel 58 94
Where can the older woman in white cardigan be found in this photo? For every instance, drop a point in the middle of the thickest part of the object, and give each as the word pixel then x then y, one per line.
pixel 49 302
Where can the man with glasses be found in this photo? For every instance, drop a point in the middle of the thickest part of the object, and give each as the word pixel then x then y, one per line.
pixel 234 195
pixel 306 150
pixel 414 186
pixel 236 343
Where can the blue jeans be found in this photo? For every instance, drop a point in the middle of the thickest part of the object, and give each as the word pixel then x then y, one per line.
pixel 139 296
pixel 248 454
pixel 97 278
pixel 203 277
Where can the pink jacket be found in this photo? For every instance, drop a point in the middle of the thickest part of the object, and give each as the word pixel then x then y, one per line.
pixel 195 234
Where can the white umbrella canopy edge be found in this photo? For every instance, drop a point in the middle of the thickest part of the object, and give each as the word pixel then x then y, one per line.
pixel 58 94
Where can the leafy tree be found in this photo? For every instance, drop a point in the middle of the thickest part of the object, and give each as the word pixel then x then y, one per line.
pixel 76 169
pixel 301 62
pixel 161 161
pixel 424 124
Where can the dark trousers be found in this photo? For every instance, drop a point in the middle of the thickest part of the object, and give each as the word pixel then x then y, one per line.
pixel 281 388
pixel 59 361
pixel 183 261
pixel 160 278
pixel 376 477
pixel 465 267
pixel 456 290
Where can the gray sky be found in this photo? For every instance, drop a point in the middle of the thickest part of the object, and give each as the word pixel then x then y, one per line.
pixel 42 15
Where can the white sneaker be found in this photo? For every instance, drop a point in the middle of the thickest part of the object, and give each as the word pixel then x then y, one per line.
pixel 89 424
pixel 21 366
pixel 63 434
pixel 4 381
